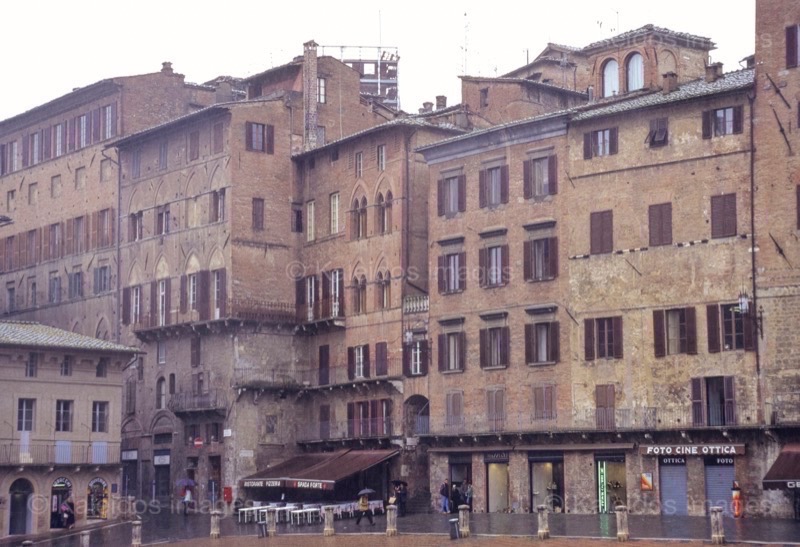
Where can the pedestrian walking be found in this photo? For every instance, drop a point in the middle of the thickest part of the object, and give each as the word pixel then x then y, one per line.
pixel 456 499
pixel 444 494
pixel 402 498
pixel 363 509
pixel 187 499
pixel 68 513
pixel 468 494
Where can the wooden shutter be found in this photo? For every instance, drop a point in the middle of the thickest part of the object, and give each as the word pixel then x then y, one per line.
pixel 791 46
pixel 351 363
pixel 381 359
pixel 366 361
pixel 729 205
pixel 483 259
pixel 505 346
pixel 351 413
pixel 167 301
pixel 607 219
pixel 223 293
pixel 25 150
pixel 195 351
pixel 552 174
pixel 587 146
pixel 462 350
pixel 126 306
pixel 203 302
pixel 153 303
pixel 131 227
pixel 616 323
pixel 530 343
pixel 691 330
pixel 707 123
pixel 269 138
pixel 341 292
pixel 749 328
pixel 440 197
pixel 300 291
pixel 696 387
pixel 527 260
pixel 69 236
pixel 441 273
pixel 184 296
pixel 482 188
pixel 96 117
pixel 442 351
pixel 730 400
pixel 659 342
pixel 527 179
pixel 248 135
pixel 738 119
pixel 604 403
pixel 588 339
pixel 483 338
pixel 95 243
pixel 504 184
pixel 552 256
pixel 712 320
pixel 613 145
pixel 505 268
pixel 407 350
pixel 45 246
pixel 462 271
pixel 596 233
pixel 462 193
pixel 423 358
pixel 555 342
pixel 213 207
pixel 374 418
pixel 324 365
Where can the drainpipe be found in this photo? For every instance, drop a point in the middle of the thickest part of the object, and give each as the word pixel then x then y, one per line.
pixel 118 237
pixel 754 311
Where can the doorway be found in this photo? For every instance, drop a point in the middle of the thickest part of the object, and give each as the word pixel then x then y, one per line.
pixel 497 487
pixel 21 518
pixel 547 482
pixel 214 477
pixel 59 492
pixel 612 489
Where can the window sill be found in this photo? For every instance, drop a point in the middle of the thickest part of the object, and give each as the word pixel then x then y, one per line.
pixel 452 371
pixel 542 280
pixel 495 367
pixel 446 293
pixel 497 286
pixel 541 363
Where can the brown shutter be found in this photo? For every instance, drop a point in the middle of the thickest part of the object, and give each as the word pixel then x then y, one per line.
pixel 423 358
pixel 366 361
pixel 442 351
pixel 324 365
pixel 483 337
pixel 300 291
pixel 552 174
pixel 666 224
pixel 462 273
pixel 738 119
pixel 153 303
pixel 730 214
pixel 698 402
pixel 791 46
pixel 530 343
pixel 462 193
pixel 505 273
pixel 204 308
pixel 131 227
pixel 341 293
pixel 462 350
pixel 223 293
pixel 658 333
pixel 407 348
pixel 441 272
pixel 440 197
pixel 351 417
pixel 527 260
pixel 483 255
pixel 95 243
pixel 595 233
pixel 616 323
pixel 555 345
pixel 25 150
pixel 587 146
pixel 527 179
pixel 707 121
pixel 654 223
pixel 691 330
pixel 504 184
pixel 505 346
pixel 351 363
pixel 167 301
pixel 482 188
pixel 70 245
pixel 45 245
pixel 184 298
pixel 194 351
pixel 538 403
pixel 270 139
pixel 749 327
pixel 588 339
pixel 712 319
pixel 126 306
pixel 729 393
pixel 613 145
pixel 248 135
pixel 381 359
pixel 553 256
pixel 608 231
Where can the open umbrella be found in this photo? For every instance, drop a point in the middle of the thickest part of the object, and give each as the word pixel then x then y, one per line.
pixel 184 482
pixel 366 492
pixel 398 482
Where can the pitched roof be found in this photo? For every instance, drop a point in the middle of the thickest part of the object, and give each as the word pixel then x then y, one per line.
pixel 630 37
pixel 526 81
pixel 35 335
pixel 732 81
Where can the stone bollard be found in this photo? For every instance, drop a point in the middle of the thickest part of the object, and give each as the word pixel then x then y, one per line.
pixel 622 523
pixel 328 516
pixel 463 520
pixel 544 524
pixel 391 520
pixel 85 538
pixel 272 522
pixel 131 508
pixel 136 532
pixel 717 531
pixel 215 516
pixel 27 542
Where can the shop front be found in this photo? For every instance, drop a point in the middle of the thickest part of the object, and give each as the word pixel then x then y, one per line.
pixel 546 480
pixel 97 499
pixel 130 468
pixel 161 473
pixel 460 470
pixel 497 481
pixel 673 484
pixel 60 490
pixel 612 486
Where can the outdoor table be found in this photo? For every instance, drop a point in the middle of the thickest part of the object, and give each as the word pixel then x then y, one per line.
pixel 285 511
pixel 244 513
pixel 376 505
pixel 307 514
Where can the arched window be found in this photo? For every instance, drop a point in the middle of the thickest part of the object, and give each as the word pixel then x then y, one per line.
pixel 362 219
pixel 161 394
pixel 356 296
pixel 355 223
pixel 172 384
pixel 387 215
pixel 383 287
pixel 635 72
pixel 362 294
pixel 610 78
pixel 380 218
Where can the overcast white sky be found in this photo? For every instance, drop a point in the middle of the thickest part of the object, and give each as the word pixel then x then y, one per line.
pixel 52 46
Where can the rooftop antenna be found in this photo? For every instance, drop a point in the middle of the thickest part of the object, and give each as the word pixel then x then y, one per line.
pixel 466 30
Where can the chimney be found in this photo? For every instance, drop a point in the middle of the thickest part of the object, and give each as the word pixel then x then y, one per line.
pixel 310 95
pixel 441 102
pixel 670 82
pixel 166 67
pixel 713 72
pixel 427 106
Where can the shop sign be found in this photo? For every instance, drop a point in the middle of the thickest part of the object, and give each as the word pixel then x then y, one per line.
pixel 311 485
pixel 692 450
pixel 673 461
pixel 129 455
pixel 602 490
pixel 261 483
pixel 62 482
pixel 496 457
pixel 161 460
pixel 718 460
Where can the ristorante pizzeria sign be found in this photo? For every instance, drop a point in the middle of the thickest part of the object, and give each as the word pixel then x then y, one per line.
pixel 692 450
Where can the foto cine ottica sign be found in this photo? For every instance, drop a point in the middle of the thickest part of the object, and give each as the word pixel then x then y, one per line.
pixel 692 450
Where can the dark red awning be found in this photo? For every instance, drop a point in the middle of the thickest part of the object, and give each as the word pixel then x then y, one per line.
pixel 785 472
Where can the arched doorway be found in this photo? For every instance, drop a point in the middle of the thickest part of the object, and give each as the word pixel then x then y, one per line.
pixel 21 518
pixel 59 492
pixel 417 415
pixel 97 499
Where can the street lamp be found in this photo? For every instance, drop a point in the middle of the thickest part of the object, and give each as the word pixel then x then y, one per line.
pixel 746 311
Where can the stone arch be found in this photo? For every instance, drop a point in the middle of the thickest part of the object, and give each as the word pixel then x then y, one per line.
pixel 195 210
pixel 161 193
pixel 609 77
pixel 135 274
pixel 162 422
pixel 192 264
pixel 21 518
pixel 162 268
pixel 131 426
pixel 217 260
pixel 634 71
pixel 416 414
pixel 359 189
pixel 76 327
pixel 136 201
pixel 102 330
pixel 667 62
pixel 217 178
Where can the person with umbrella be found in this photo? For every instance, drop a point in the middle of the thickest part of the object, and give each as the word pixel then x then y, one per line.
pixel 363 506
pixel 401 495
pixel 186 485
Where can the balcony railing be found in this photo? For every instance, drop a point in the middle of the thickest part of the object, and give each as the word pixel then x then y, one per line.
pixel 323 309
pixel 415 304
pixel 284 377
pixel 347 429
pixel 783 413
pixel 214 399
pixel 619 419
pixel 245 309
pixel 59 453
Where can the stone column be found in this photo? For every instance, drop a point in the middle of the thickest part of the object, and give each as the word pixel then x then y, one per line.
pixel 328 516
pixel 131 509
pixel 717 531
pixel 544 524
pixel 622 523
pixel 85 538
pixel 463 520
pixel 136 532
pixel 391 520
pixel 272 522
pixel 215 516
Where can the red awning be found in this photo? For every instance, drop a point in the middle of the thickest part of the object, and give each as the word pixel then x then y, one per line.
pixel 317 471
pixel 785 472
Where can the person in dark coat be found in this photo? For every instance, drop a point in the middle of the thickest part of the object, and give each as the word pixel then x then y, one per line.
pixel 455 499
pixel 402 498
pixel 68 513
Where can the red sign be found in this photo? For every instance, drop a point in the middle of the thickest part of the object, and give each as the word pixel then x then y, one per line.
pixel 198 442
